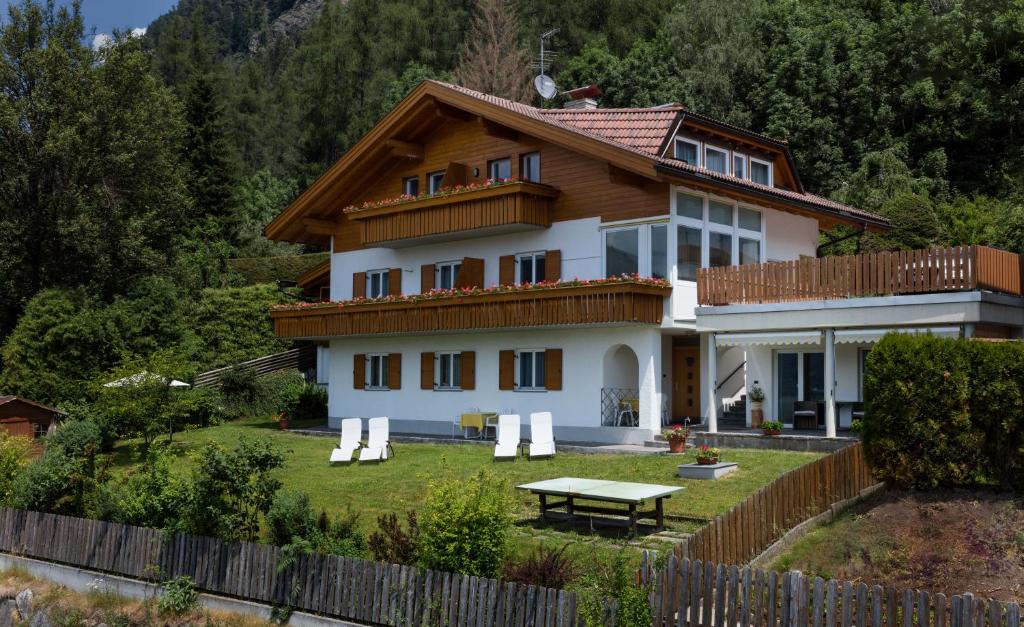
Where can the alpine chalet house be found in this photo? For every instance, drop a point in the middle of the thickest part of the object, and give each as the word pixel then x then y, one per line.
pixel 621 268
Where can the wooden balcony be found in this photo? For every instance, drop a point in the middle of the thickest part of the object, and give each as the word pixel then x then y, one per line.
pixel 957 269
pixel 608 303
pixel 516 206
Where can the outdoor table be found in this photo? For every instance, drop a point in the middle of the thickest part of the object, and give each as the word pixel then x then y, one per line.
pixel 475 420
pixel 632 495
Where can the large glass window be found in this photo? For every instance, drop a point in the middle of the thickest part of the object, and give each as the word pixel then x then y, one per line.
pixel 530 267
pixel 689 206
pixel 719 249
pixel 529 167
pixel 750 251
pixel 750 219
pixel 688 151
pixel 622 251
pixel 449 371
pixel 531 370
pixel 659 251
pixel 688 252
pixel 716 160
pixel 448 274
pixel 499 169
pixel 719 212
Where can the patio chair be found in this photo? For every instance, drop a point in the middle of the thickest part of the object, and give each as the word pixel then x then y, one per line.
pixel 351 431
pixel 805 415
pixel 506 446
pixel 542 438
pixel 628 416
pixel 377 442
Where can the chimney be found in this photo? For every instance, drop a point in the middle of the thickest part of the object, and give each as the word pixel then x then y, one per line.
pixel 582 97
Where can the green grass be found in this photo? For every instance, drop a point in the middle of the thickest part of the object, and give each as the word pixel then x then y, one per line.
pixel 400 484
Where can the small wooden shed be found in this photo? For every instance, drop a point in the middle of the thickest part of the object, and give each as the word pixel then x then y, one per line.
pixel 19 416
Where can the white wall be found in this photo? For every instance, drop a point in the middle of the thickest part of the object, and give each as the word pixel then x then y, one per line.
pixel 576 408
pixel 789 236
pixel 621 368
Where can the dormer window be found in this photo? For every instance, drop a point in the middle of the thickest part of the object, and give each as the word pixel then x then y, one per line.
pixel 411 186
pixel 688 150
pixel 716 159
pixel 760 171
pixel 499 169
pixel 434 180
pixel 739 165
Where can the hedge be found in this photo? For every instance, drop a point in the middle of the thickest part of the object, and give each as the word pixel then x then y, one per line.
pixel 945 412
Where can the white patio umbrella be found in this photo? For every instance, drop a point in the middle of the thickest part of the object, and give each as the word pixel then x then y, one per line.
pixel 145 377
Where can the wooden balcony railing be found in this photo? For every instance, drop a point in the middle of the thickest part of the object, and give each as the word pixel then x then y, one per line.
pixel 608 303
pixel 508 207
pixel 956 269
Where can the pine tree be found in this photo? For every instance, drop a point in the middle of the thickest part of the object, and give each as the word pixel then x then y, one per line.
pixel 494 60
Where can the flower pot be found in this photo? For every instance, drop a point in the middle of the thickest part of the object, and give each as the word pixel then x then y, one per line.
pixel 771 431
pixel 676 445
pixel 756 413
pixel 707 461
pixel 283 423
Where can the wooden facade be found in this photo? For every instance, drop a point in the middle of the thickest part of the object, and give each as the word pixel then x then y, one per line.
pixel 955 269
pixel 611 303
pixel 26 418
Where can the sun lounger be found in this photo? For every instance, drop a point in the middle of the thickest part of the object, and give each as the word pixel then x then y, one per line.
pixel 351 432
pixel 507 444
pixel 377 442
pixel 542 438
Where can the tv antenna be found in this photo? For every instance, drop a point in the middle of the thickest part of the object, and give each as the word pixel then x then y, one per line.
pixel 543 83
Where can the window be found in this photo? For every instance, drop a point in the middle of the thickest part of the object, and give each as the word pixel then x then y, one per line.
pixel 38 430
pixel 411 186
pixel 530 268
pixel 531 370
pixel 719 212
pixel 719 249
pixel 659 251
pixel 499 169
pixel 434 180
pixel 688 252
pixel 716 159
pixel 689 206
pixel 529 167
pixel 377 283
pixel 448 274
pixel 750 219
pixel 760 171
pixel 739 166
pixel 750 251
pixel 622 251
pixel 688 151
pixel 449 371
pixel 377 372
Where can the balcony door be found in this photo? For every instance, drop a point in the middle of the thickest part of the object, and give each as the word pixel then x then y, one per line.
pixel 799 376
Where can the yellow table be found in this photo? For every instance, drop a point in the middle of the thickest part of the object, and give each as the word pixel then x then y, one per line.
pixel 477 420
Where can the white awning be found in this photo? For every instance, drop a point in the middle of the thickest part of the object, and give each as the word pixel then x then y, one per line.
pixel 785 338
pixel 870 336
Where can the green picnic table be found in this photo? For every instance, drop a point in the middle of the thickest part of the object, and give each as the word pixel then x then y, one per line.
pixel 632 495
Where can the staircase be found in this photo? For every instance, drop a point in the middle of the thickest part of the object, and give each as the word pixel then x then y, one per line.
pixel 734 417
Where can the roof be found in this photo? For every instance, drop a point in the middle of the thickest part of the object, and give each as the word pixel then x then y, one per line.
pixel 642 129
pixel 10 398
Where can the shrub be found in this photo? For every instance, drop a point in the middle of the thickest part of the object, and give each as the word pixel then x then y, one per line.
pixel 391 543
pixel 614 578
pixel 466 525
pixel 14 452
pixel 545 566
pixel 309 404
pixel 53 483
pixel 149 497
pixel 79 438
pixel 239 386
pixel 290 515
pixel 341 536
pixel 179 596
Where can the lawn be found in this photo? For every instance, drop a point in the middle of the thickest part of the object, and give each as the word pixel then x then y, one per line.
pixel 400 484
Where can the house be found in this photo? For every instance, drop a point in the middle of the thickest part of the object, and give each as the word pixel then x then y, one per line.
pixel 22 417
pixel 621 268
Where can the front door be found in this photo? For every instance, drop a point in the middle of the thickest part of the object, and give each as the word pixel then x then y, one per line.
pixel 686 383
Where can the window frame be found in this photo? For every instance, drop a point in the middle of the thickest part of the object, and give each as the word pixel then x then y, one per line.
pixel 380 369
pixel 644 229
pixel 532 352
pixel 767 164
pixel 456 382
pixel 431 176
pixel 692 142
pixel 530 258
pixel 384 276
pixel 405 185
pixel 724 151
pixel 491 163
pixel 455 265
pixel 706 227
pixel 522 169
pixel 744 160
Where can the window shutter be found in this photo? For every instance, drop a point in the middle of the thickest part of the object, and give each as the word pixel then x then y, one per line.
pixel 358 285
pixel 552 266
pixel 394 371
pixel 468 375
pixel 506 370
pixel 359 372
pixel 553 369
pixel 426 371
pixel 506 270
pixel 395 282
pixel 471 274
pixel 426 278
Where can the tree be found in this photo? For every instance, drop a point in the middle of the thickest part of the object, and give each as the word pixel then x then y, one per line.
pixel 494 60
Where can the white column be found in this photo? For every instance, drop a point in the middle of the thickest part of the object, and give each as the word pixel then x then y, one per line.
pixel 830 383
pixel 712 378
pixel 649 356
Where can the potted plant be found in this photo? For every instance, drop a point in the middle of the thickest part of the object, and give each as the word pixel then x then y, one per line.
pixel 756 395
pixel 282 420
pixel 676 436
pixel 771 427
pixel 706 455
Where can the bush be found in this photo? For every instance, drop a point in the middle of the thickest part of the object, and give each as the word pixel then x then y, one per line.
pixel 179 597
pixel 613 579
pixel 54 483
pixel 546 566
pixel 466 525
pixel 309 404
pixel 149 497
pixel 944 412
pixel 290 516
pixel 239 386
pixel 392 544
pixel 14 452
pixel 79 438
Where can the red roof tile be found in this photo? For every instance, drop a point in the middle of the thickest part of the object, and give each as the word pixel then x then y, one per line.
pixel 643 129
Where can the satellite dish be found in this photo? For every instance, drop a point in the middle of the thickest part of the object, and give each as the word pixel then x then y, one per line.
pixel 545 86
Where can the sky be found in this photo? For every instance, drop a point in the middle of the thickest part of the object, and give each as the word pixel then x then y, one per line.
pixel 106 15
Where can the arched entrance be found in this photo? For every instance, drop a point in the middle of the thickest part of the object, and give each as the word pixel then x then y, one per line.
pixel 620 388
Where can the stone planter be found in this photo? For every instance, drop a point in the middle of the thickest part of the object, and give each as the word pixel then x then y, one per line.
pixel 707 461
pixel 771 432
pixel 706 472
pixel 756 413
pixel 676 445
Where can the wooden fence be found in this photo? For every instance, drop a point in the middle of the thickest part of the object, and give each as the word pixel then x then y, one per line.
pixel 691 593
pixel 348 588
pixel 750 527
pixel 959 268
pixel 302 358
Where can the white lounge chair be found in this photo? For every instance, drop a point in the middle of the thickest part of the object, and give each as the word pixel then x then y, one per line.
pixel 351 432
pixel 506 445
pixel 542 437
pixel 377 441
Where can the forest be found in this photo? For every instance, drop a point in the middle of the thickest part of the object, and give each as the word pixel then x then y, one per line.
pixel 132 173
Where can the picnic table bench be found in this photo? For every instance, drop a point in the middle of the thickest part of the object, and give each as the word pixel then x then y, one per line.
pixel 632 495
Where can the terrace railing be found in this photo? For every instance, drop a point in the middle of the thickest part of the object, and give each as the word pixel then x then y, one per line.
pixel 955 269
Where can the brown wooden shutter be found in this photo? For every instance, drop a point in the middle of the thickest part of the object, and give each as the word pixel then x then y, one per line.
pixel 552 266
pixel 394 371
pixel 471 274
pixel 553 369
pixel 395 282
pixel 506 370
pixel 426 371
pixel 359 372
pixel 455 174
pixel 468 376
pixel 426 278
pixel 358 285
pixel 506 270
